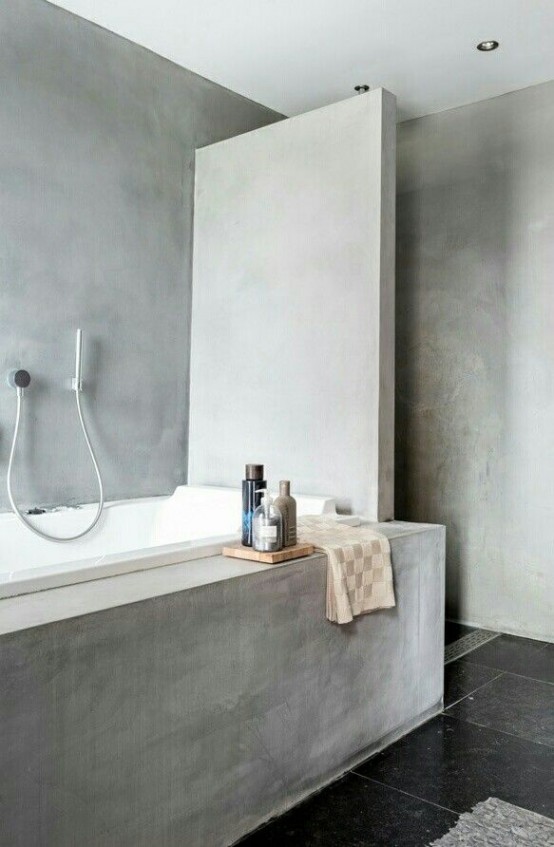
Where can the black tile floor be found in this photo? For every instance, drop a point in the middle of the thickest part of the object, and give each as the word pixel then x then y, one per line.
pixel 495 738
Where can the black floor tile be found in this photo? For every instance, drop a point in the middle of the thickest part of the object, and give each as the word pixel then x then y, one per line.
pixel 456 764
pixel 517 655
pixel 356 812
pixel 514 704
pixel 453 631
pixel 462 678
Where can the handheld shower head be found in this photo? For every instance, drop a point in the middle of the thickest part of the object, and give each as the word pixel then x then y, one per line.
pixel 77 380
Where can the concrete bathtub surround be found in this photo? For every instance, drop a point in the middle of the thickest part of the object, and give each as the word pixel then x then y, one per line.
pixel 190 718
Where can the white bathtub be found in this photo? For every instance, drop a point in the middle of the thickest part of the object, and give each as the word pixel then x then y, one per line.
pixel 132 535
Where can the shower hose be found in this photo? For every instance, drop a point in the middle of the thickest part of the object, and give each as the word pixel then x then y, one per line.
pixel 16 509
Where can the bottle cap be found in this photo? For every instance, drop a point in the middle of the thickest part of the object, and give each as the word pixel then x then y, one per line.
pixel 284 488
pixel 254 472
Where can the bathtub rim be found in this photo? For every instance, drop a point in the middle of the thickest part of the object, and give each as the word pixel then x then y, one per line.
pixel 76 571
pixel 41 608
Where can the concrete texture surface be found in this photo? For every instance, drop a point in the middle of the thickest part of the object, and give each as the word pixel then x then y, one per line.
pixel 96 184
pixel 293 305
pixel 189 719
pixel 475 352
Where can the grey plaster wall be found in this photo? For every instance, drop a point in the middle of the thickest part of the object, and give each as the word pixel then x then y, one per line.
pixel 293 305
pixel 96 200
pixel 191 718
pixel 475 351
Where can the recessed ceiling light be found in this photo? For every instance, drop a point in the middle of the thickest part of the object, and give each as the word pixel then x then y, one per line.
pixel 487 46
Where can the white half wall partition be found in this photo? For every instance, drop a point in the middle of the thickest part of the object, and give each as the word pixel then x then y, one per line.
pixel 293 305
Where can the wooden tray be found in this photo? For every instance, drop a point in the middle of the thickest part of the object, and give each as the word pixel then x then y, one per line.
pixel 237 551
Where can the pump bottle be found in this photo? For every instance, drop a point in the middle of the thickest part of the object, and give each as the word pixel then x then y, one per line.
pixel 267 526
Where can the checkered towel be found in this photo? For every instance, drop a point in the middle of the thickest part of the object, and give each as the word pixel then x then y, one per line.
pixel 359 572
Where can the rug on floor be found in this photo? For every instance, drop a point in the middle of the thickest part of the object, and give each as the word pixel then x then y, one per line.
pixel 495 823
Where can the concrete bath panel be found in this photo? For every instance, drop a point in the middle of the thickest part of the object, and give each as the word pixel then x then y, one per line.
pixel 191 718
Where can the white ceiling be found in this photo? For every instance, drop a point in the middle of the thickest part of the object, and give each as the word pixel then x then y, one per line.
pixel 295 55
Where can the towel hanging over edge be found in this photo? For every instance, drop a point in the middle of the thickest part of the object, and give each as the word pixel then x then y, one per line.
pixel 359 570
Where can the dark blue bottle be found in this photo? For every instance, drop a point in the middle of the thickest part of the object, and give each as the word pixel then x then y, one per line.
pixel 252 488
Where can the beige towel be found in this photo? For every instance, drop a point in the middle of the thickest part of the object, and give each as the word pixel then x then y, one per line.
pixel 359 572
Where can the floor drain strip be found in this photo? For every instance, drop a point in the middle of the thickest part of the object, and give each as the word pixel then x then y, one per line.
pixel 467 643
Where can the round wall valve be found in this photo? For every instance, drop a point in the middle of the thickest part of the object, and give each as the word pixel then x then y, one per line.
pixel 19 379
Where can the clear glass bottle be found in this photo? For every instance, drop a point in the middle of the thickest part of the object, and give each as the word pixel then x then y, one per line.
pixel 267 527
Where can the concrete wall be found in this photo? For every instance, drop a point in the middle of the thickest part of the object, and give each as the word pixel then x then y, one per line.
pixel 475 351
pixel 96 186
pixel 293 305
pixel 189 719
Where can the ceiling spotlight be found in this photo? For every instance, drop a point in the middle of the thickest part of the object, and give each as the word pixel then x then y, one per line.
pixel 487 46
pixel 361 89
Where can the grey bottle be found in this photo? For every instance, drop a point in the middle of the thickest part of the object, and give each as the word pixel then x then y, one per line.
pixel 287 506
pixel 267 527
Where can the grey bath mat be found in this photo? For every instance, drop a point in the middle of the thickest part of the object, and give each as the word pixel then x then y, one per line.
pixel 498 824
